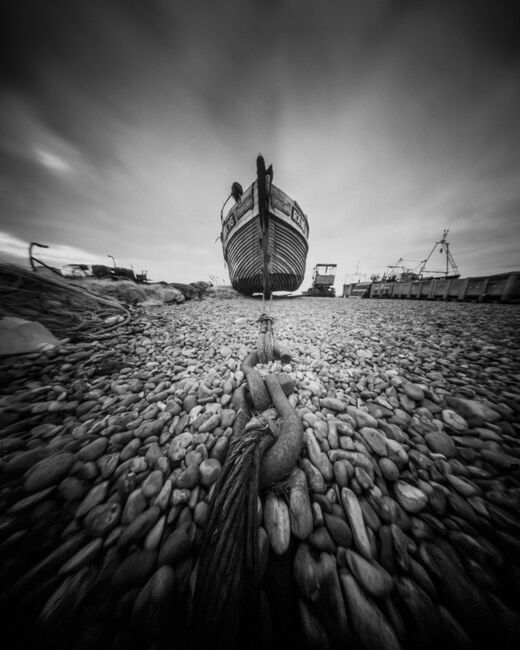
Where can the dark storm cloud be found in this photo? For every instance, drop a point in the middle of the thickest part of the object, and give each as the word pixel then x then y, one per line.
pixel 134 116
pixel 87 66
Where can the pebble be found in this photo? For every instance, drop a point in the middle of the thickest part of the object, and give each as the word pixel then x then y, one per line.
pixel 134 570
pixel 440 443
pixel 209 471
pixel 333 404
pixel 163 498
pixel 409 497
pixel 94 497
pixel 411 460
pixel 375 440
pixel 21 462
pixel 357 523
pixel 48 472
pixel 102 518
pixel 413 391
pixel 83 557
pixel 72 489
pixel 139 527
pixel 375 580
pixel 152 484
pixel 473 409
pixel 134 506
pixel 454 421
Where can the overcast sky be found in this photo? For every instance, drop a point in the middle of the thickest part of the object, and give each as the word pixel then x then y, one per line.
pixel 124 123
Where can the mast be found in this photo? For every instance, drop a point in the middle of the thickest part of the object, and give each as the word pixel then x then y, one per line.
pixel 262 175
pixel 444 247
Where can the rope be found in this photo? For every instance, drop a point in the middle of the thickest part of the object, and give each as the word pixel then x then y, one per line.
pixel 265 340
pixel 226 607
pixel 226 599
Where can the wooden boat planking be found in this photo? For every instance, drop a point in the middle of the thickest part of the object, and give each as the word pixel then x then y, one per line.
pixel 264 238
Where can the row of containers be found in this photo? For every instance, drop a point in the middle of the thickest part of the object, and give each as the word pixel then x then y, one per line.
pixel 504 287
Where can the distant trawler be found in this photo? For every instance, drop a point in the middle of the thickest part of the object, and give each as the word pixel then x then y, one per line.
pixel 264 237
pixel 443 284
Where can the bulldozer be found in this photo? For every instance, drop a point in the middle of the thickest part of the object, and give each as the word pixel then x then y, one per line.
pixel 323 281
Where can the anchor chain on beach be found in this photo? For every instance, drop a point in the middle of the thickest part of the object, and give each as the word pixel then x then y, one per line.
pixel 227 593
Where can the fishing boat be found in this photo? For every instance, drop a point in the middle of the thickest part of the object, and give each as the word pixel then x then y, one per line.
pixel 264 237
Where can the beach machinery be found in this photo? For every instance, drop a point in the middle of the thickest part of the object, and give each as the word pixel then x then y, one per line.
pixel 323 277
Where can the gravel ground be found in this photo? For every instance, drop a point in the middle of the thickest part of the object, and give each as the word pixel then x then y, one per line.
pixel 411 463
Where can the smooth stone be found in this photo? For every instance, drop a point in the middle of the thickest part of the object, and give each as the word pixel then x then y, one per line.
pixel 152 484
pixel 365 617
pixel 138 465
pixel 162 500
pixel 356 521
pixel 340 473
pixel 189 478
pixel 409 497
pixel 193 458
pixel 93 498
pixel 134 506
pixel 397 453
pixel 227 417
pixel 362 418
pixel 210 424
pixel 473 409
pixel 499 460
pixel 178 446
pixel 375 440
pixel 363 478
pixel 178 546
pixel 130 449
pixel 209 471
pixel 93 450
pixel 454 420
pixel 102 519
pixel 107 464
pixel 440 443
pixel 21 462
pixel 180 496
pixel 139 527
pixel 153 538
pixel 414 392
pixel 72 489
pixel 372 577
pixel 83 557
pixel 149 428
pixel 333 404
pixel 463 486
pixel 153 454
pixel 219 449
pixel 201 514
pixel 48 472
pixel 389 469
pixel 134 570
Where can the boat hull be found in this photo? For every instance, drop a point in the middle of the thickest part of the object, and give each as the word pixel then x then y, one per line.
pixel 287 247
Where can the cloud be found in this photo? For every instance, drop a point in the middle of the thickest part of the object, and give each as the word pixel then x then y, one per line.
pixel 52 161
pixel 14 247
pixel 123 124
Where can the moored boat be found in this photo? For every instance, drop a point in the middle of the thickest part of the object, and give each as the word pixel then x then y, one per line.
pixel 264 237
